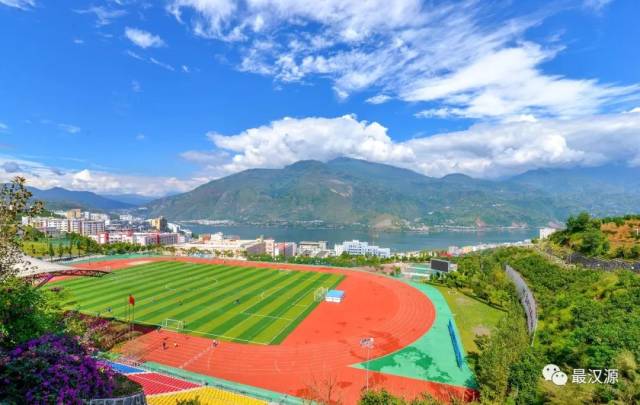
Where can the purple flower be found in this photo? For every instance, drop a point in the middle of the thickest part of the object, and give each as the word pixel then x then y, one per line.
pixel 54 369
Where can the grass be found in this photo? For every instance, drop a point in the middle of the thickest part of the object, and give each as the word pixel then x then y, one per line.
pixel 473 317
pixel 240 304
pixel 41 248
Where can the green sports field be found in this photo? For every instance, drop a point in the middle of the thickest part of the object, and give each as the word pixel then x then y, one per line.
pixel 241 304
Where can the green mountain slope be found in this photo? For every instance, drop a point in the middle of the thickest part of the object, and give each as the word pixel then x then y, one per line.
pixel 348 191
pixel 60 198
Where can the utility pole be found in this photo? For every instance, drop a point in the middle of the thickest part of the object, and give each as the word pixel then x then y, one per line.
pixel 367 343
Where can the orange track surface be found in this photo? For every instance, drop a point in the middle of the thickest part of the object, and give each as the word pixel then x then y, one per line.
pixel 322 347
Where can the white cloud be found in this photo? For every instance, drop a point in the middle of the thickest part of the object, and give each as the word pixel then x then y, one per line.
pixel 44 176
pixel 162 64
pixel 596 5
pixel 150 60
pixel 135 86
pixel 507 82
pixel 21 4
pixel 186 69
pixel 78 41
pixel 71 129
pixel 143 39
pixel 462 57
pixel 104 16
pixel 11 167
pixel 4 127
pixel 378 99
pixel 140 137
pixel 489 151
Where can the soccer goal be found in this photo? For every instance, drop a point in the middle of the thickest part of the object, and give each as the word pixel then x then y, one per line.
pixel 320 293
pixel 174 324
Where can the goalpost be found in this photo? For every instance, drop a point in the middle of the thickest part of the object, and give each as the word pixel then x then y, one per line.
pixel 174 324
pixel 320 293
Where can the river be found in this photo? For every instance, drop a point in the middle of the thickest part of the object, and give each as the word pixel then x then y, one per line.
pixel 397 241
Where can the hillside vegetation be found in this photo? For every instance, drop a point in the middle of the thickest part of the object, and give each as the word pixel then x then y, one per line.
pixel 355 192
pixel 588 319
pixel 611 237
pixel 348 191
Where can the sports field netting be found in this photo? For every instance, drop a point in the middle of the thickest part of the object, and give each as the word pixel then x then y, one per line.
pixel 241 304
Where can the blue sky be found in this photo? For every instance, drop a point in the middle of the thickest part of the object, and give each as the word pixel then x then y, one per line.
pixel 153 97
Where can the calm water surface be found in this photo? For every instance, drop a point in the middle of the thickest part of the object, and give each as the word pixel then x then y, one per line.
pixel 397 241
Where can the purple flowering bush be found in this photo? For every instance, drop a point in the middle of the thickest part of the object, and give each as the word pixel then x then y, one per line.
pixel 53 369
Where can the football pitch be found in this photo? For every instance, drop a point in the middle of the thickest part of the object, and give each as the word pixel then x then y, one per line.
pixel 240 304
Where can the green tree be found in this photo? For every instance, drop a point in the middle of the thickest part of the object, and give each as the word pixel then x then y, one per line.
pixel 579 223
pixel 14 203
pixel 26 312
pixel 594 243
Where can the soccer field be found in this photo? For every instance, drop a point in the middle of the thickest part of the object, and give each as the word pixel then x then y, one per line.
pixel 241 304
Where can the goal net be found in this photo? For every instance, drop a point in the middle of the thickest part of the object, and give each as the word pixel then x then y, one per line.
pixel 174 324
pixel 320 293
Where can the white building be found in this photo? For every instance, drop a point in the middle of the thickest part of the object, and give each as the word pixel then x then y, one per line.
pixel 79 226
pixel 312 249
pixel 138 238
pixel 219 245
pixel 95 216
pixel 91 227
pixel 173 227
pixel 155 238
pixel 357 248
pixel 544 233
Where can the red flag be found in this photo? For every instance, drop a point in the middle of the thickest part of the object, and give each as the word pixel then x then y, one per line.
pixel 132 300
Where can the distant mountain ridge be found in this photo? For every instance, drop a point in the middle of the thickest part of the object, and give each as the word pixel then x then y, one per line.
pixel 60 198
pixel 348 191
pixel 602 191
pixel 133 199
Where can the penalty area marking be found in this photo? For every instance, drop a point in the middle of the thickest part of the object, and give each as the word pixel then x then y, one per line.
pixel 296 318
pixel 265 316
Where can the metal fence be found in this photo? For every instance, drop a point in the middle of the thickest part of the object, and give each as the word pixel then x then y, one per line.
pixel 602 264
pixel 454 342
pixel 526 298
pixel 136 399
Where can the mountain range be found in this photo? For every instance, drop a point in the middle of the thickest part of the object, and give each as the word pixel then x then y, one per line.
pixel 347 191
pixel 60 198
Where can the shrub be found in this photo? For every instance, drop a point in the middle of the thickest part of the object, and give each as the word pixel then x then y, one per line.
pixel 26 312
pixel 53 369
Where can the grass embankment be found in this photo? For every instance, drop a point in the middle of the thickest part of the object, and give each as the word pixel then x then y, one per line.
pixel 474 318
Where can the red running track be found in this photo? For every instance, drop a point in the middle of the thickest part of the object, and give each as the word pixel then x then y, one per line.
pixel 153 383
pixel 320 351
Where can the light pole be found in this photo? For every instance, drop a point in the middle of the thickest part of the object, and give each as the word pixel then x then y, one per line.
pixel 368 344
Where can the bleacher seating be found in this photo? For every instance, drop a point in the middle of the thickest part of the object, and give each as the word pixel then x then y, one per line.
pixel 161 389
pixel 154 383
pixel 206 395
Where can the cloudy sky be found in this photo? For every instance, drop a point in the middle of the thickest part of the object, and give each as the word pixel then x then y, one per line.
pixel 151 97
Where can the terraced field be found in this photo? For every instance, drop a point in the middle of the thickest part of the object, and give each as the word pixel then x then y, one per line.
pixel 241 304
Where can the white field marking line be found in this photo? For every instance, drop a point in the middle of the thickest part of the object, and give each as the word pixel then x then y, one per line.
pixel 250 301
pixel 294 319
pixel 251 314
pixel 224 336
pixel 197 332
pixel 189 280
pixel 265 316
